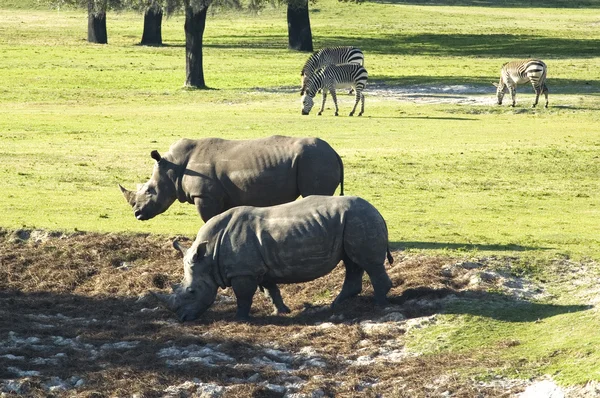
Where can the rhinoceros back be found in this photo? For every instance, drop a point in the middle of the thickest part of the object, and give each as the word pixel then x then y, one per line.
pixel 298 241
pixel 262 172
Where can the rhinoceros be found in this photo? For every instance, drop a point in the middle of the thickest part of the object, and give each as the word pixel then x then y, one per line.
pixel 217 174
pixel 248 247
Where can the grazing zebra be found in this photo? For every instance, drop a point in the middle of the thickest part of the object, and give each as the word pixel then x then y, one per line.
pixel 522 71
pixel 329 56
pixel 331 77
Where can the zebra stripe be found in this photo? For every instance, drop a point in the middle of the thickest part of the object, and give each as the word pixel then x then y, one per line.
pixel 330 56
pixel 519 72
pixel 331 77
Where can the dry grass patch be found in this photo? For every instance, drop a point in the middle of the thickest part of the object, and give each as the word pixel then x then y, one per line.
pixel 75 319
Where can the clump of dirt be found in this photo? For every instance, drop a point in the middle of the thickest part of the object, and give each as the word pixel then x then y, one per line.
pixel 76 319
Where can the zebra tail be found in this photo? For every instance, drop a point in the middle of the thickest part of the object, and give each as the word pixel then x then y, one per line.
pixel 389 256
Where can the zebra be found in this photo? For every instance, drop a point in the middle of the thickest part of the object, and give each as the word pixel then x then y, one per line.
pixel 331 77
pixel 328 56
pixel 522 71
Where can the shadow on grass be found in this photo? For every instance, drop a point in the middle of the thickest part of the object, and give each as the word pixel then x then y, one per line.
pixel 464 246
pixel 498 3
pixel 504 46
pixel 485 304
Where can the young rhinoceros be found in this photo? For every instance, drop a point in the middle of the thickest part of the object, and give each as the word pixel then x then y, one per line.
pixel 216 174
pixel 246 247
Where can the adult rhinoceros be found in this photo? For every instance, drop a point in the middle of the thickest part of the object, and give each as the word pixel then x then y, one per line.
pixel 246 247
pixel 216 174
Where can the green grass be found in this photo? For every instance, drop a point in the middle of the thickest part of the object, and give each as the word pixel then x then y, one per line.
pixel 76 119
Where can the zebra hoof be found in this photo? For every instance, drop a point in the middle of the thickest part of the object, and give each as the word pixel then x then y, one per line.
pixel 360 114
pixel 336 114
pixel 319 114
pixel 351 114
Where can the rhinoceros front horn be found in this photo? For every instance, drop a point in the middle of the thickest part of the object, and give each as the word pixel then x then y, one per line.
pixel 129 196
pixel 168 300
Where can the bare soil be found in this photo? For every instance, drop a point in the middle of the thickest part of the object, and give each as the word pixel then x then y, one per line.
pixel 76 320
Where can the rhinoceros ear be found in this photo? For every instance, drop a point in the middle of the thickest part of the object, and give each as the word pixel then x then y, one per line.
pixel 200 249
pixel 178 246
pixel 155 155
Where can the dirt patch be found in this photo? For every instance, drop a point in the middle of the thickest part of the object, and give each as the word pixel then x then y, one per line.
pixel 76 320
pixel 459 94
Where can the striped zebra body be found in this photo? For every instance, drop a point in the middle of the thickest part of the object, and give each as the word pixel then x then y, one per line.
pixel 329 56
pixel 519 72
pixel 331 77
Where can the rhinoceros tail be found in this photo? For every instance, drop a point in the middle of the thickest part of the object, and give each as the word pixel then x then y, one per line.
pixel 389 256
pixel 341 174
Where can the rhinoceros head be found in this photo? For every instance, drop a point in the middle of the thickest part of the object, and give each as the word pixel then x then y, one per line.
pixel 156 195
pixel 198 291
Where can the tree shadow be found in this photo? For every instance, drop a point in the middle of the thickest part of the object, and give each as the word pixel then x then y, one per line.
pixel 504 46
pixel 479 303
pixel 498 3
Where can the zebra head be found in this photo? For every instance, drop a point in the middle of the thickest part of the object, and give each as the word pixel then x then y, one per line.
pixel 307 104
pixel 501 89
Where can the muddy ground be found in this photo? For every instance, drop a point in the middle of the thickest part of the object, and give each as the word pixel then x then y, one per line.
pixel 76 320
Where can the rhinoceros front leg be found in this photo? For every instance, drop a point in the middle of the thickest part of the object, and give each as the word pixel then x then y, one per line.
pixel 244 288
pixel 207 207
pixel 352 283
pixel 272 292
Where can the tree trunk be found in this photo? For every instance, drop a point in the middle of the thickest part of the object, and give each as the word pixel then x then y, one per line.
pixel 299 34
pixel 152 35
pixel 194 31
pixel 97 27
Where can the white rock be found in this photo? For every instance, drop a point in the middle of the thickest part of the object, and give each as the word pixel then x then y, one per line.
pixel 210 390
pixel 275 388
pixel 543 389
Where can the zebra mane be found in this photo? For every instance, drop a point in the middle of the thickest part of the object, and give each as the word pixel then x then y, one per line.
pixel 310 61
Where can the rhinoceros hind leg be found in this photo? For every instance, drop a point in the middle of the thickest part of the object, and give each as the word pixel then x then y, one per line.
pixel 352 283
pixel 244 288
pixel 272 292
pixel 381 284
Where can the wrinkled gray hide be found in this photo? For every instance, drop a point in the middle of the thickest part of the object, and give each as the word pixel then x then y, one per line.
pixel 216 174
pixel 247 247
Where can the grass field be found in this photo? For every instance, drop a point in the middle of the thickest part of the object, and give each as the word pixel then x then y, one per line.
pixel 453 174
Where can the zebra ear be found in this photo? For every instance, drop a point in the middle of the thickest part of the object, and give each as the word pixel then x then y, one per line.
pixel 495 84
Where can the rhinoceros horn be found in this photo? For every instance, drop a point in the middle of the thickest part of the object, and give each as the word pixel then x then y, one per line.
pixel 168 300
pixel 129 196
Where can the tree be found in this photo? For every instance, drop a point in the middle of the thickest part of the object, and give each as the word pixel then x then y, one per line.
pixel 153 14
pixel 96 16
pixel 298 20
pixel 195 22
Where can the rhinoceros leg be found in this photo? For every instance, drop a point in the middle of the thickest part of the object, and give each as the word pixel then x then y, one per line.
pixel 381 283
pixel 244 288
pixel 352 283
pixel 272 292
pixel 207 207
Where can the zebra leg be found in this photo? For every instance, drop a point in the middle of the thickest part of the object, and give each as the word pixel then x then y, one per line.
pixel 323 104
pixel 538 91
pixel 545 91
pixel 332 91
pixel 358 94
pixel 513 94
pixel 362 104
